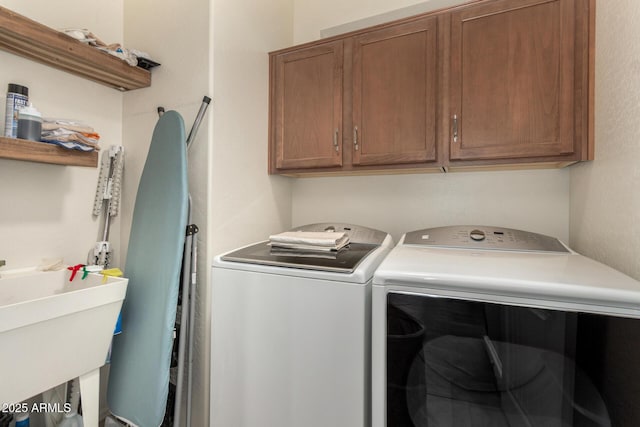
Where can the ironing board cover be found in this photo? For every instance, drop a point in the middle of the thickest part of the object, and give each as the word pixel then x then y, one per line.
pixel 141 355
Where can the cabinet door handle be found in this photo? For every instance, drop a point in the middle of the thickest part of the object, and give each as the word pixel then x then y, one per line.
pixel 455 128
pixel 335 139
pixel 355 138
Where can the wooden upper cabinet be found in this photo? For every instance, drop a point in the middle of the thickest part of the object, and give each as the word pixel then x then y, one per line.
pixel 491 83
pixel 512 80
pixel 307 107
pixel 394 94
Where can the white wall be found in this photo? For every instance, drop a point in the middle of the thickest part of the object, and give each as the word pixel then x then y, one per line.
pixel 223 54
pixel 531 200
pixel 46 209
pixel 605 195
pixel 246 204
pixel 176 34
pixel 313 16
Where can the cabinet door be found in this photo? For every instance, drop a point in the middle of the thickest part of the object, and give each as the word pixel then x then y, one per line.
pixel 512 80
pixel 308 107
pixel 394 94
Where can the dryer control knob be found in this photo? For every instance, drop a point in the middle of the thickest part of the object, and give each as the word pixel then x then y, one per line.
pixel 477 235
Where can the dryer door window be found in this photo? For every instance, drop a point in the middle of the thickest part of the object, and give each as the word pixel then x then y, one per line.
pixel 464 363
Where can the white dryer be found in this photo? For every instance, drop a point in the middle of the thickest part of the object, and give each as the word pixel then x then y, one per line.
pixel 291 334
pixel 488 326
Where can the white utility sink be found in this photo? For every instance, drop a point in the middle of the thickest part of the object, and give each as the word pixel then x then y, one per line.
pixel 53 330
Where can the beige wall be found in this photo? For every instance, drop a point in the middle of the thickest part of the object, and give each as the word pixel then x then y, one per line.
pixel 46 209
pixel 532 200
pixel 177 36
pixel 217 48
pixel 246 205
pixel 313 16
pixel 605 195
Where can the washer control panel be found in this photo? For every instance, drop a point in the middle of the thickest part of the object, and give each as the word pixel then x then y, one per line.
pixel 484 237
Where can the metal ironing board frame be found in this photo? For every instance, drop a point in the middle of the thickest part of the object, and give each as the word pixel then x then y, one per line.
pixel 188 283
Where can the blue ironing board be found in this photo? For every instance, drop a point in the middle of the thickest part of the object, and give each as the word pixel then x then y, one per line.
pixel 141 355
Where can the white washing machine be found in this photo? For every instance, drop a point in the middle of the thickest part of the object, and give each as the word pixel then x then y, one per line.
pixel 291 334
pixel 488 326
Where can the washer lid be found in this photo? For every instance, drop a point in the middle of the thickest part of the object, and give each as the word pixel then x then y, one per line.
pixel 344 261
pixel 362 240
pixel 485 238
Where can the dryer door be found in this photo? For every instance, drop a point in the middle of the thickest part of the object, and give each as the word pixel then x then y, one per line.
pixel 465 363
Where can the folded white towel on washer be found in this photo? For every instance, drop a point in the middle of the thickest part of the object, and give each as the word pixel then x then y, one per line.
pixel 310 240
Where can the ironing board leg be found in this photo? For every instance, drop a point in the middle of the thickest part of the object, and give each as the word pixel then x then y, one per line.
pixel 90 393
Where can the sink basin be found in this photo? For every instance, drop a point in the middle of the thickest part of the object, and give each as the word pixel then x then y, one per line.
pixel 53 330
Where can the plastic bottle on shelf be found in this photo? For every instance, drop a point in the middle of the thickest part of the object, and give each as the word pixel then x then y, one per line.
pixel 29 123
pixel 17 98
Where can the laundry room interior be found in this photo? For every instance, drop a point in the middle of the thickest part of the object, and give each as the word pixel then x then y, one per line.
pixel 220 49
